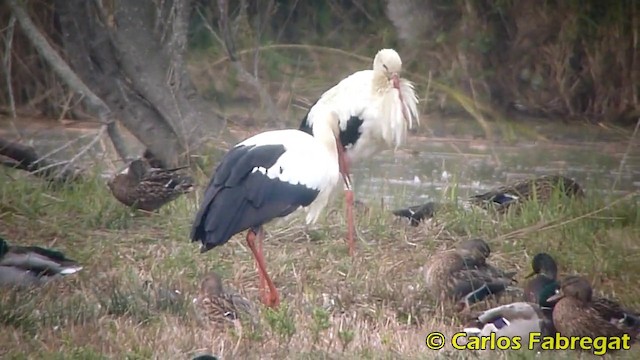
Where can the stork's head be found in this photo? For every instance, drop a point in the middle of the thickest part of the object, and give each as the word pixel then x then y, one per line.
pixel 388 62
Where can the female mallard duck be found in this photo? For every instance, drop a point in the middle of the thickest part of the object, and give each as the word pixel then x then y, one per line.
pixel 219 308
pixel 462 275
pixel 32 265
pixel 515 319
pixel 575 313
pixel 540 188
pixel 143 187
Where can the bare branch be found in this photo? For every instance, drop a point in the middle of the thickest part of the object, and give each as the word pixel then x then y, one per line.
pixel 6 63
pixel 85 148
pixel 229 44
pixel 93 102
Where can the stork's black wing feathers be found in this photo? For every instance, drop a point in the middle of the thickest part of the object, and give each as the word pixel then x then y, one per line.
pixel 238 198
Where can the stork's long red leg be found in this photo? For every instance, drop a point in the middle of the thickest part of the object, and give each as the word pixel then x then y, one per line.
pixel 349 198
pixel 263 281
pixel 272 299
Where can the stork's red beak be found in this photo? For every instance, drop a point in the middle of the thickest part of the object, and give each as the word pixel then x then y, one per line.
pixel 395 80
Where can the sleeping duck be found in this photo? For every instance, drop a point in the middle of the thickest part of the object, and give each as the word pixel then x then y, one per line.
pixel 463 276
pixel 142 187
pixel 32 265
pixel 541 188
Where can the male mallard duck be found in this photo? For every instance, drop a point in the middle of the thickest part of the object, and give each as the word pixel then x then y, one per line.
pixel 417 213
pixel 218 307
pixel 515 319
pixel 542 281
pixel 146 188
pixel 575 313
pixel 462 275
pixel 32 265
pixel 544 284
pixel 540 188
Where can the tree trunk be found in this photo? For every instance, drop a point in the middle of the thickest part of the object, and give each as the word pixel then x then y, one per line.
pixel 133 59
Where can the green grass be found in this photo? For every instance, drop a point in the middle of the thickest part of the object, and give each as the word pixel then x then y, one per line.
pixel 372 307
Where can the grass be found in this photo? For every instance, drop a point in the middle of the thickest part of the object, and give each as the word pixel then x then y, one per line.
pixel 122 305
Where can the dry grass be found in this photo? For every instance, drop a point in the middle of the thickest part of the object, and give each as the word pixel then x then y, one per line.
pixel 123 305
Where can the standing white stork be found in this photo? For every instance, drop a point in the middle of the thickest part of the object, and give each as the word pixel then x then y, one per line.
pixel 267 176
pixel 374 109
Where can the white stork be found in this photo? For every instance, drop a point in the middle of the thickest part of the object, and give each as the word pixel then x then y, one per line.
pixel 374 109
pixel 267 176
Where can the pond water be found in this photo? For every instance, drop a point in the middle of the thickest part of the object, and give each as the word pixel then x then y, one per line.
pixel 455 153
pixel 429 166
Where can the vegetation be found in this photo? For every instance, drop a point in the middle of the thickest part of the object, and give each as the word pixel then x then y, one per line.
pixel 490 59
pixel 122 304
pixel 567 60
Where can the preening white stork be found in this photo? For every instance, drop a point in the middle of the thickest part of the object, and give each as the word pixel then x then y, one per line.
pixel 267 176
pixel 374 109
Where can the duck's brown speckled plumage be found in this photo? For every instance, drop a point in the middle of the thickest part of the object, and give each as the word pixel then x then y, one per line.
pixel 143 187
pixel 454 274
pixel 541 188
pixel 575 314
pixel 219 308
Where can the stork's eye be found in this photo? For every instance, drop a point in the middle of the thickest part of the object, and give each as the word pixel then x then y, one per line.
pixel 385 67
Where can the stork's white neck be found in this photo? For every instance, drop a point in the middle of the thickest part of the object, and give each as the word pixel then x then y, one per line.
pixel 326 133
pixel 380 81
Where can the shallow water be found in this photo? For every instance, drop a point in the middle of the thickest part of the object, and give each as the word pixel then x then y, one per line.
pixel 428 165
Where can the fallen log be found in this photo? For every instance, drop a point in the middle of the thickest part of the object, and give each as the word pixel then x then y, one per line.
pixel 25 157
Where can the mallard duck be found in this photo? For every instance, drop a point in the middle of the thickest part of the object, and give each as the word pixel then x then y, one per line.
pixel 515 319
pixel 542 281
pixel 462 275
pixel 32 265
pixel 576 314
pixel 219 308
pixel 143 187
pixel 417 213
pixel 540 188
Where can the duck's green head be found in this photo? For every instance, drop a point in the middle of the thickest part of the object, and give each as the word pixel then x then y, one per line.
pixel 544 264
pixel 475 248
pixel 4 247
